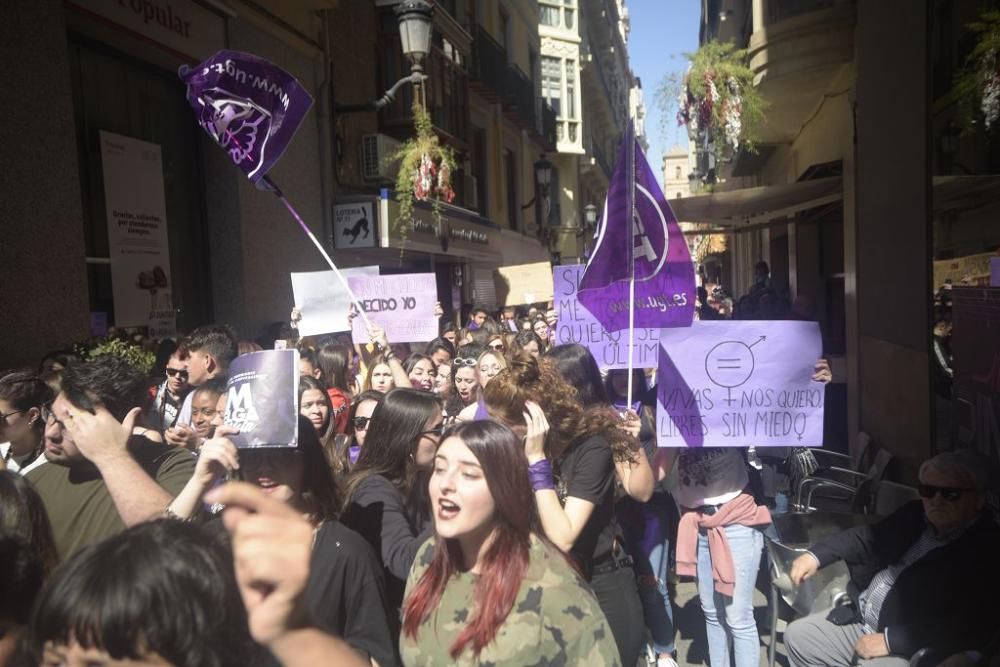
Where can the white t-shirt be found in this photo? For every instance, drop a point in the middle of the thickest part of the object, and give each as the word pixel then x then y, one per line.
pixel 185 416
pixel 14 462
pixel 710 476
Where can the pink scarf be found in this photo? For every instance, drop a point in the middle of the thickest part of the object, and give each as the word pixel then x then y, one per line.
pixel 742 510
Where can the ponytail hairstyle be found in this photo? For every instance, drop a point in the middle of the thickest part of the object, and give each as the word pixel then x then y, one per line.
pixel 528 379
pixel 515 520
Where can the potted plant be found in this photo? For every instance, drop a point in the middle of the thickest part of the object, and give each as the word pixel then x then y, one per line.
pixel 425 170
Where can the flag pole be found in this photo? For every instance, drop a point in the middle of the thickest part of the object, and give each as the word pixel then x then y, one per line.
pixel 630 137
pixel 270 185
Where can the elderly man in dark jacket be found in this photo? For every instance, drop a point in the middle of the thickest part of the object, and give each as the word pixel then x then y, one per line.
pixel 926 576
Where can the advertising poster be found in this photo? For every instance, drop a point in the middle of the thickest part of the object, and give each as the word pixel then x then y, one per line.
pixel 354 225
pixel 137 234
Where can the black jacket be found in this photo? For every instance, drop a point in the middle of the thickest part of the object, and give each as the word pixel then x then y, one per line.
pixel 947 600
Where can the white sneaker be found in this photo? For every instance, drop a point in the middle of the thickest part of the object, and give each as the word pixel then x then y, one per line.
pixel 666 661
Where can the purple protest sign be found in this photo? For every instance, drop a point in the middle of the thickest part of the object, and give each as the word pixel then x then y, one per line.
pixel 577 325
pixel 262 399
pixel 739 383
pixel 402 304
pixel 249 106
pixel 650 240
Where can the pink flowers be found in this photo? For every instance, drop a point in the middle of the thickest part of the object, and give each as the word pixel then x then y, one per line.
pixel 432 179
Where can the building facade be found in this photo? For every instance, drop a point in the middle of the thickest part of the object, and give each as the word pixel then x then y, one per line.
pixel 110 69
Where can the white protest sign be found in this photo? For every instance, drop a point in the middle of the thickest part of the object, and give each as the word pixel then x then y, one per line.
pixel 577 325
pixel 739 383
pixel 323 301
pixel 401 304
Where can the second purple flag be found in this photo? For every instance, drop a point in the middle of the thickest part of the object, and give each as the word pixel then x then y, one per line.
pixel 649 240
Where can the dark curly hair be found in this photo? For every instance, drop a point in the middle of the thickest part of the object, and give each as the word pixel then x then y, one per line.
pixel 528 379
pixel 108 381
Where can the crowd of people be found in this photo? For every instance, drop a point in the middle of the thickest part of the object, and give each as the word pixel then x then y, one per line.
pixel 490 497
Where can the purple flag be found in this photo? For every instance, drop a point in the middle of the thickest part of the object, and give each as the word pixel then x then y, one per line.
pixel 249 106
pixel 638 229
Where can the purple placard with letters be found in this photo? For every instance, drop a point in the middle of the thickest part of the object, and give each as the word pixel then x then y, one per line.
pixel 402 304
pixel 577 325
pixel 262 399
pixel 739 383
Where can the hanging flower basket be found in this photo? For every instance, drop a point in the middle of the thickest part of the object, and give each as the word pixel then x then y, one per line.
pixel 717 94
pixel 976 89
pixel 425 169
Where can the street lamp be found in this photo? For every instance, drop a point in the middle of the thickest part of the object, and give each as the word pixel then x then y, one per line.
pixel 415 18
pixel 543 175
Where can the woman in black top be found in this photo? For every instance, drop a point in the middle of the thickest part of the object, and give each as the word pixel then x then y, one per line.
pixel 386 493
pixel 576 504
pixel 345 592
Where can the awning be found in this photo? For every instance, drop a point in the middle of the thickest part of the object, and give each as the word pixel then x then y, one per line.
pixel 754 205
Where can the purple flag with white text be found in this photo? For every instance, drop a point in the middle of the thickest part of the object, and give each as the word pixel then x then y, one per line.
pixel 639 230
pixel 249 106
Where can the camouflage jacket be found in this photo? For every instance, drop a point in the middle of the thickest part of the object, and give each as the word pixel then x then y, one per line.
pixel 555 619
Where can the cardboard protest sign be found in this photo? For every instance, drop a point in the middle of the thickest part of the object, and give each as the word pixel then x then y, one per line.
pixel 739 383
pixel 577 325
pixel 323 301
pixel 524 284
pixel 402 304
pixel 262 397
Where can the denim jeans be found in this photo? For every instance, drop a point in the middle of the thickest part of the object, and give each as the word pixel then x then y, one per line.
pixel 731 618
pixel 656 605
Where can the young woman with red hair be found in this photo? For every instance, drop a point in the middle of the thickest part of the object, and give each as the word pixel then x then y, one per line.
pixel 490 587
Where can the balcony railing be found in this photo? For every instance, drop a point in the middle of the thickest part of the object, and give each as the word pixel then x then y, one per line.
pixel 519 95
pixel 489 60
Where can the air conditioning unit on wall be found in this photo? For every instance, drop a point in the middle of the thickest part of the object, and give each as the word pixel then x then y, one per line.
pixel 376 151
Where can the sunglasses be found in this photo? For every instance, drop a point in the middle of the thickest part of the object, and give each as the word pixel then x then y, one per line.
pixel 950 494
pixel 496 346
pixel 361 423
pixel 171 372
pixel 459 361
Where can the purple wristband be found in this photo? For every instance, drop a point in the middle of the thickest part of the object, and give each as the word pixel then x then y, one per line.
pixel 540 474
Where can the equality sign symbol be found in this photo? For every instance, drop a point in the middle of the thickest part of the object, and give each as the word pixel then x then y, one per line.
pixel 730 364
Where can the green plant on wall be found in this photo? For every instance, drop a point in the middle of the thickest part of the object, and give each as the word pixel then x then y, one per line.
pixel 425 170
pixel 717 93
pixel 976 88
pixel 133 354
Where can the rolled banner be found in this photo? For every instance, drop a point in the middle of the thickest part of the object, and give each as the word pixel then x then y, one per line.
pixel 249 106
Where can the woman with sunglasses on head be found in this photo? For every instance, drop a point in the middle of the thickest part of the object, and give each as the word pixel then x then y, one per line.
pixel 345 591
pixel 22 429
pixel 464 380
pixel 386 493
pixel 491 588
pixel 572 468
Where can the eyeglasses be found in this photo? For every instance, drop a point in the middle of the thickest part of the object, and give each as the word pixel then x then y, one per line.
pixel 3 417
pixel 460 361
pixel 437 431
pixel 183 374
pixel 49 415
pixel 951 494
pixel 361 423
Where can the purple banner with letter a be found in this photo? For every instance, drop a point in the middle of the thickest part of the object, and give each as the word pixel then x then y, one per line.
pixel 249 106
pixel 650 240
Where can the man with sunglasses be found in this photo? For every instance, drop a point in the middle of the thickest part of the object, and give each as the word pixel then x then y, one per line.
pixel 923 577
pixel 171 393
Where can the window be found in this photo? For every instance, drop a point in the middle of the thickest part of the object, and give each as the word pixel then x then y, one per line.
pixel 569 14
pixel 679 195
pixel 510 167
pixel 552 83
pixel 571 89
pixel 548 15
pixel 677 174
